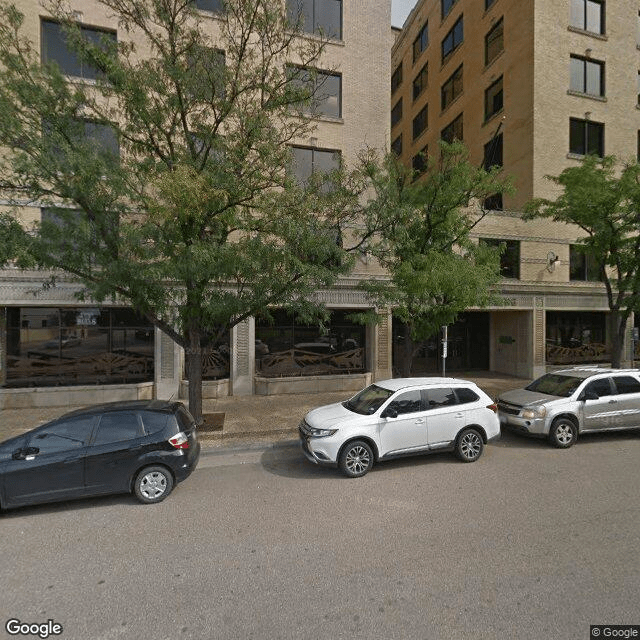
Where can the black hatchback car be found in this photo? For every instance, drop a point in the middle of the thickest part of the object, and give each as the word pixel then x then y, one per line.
pixel 142 447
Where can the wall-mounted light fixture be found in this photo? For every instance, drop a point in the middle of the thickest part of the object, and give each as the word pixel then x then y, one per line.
pixel 552 261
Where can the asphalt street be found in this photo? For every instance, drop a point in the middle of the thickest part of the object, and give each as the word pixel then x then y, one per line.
pixel 530 542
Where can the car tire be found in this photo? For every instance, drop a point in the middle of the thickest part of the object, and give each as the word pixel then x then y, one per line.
pixel 469 445
pixel 563 433
pixel 153 484
pixel 356 459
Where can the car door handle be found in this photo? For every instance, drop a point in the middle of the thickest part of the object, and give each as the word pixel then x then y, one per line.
pixel 613 401
pixel 460 415
pixel 420 421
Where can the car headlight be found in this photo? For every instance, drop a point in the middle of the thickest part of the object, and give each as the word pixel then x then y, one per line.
pixel 320 433
pixel 538 412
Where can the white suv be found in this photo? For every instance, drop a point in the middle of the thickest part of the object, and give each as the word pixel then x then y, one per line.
pixel 400 417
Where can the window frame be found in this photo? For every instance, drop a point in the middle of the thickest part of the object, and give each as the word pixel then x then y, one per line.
pixel 509 258
pixel 422 41
pixel 588 125
pixel 581 265
pixel 314 150
pixel 316 78
pixel 296 11
pixel 449 7
pixel 397 143
pixel 489 40
pixel 451 35
pixel 396 113
pixel 423 114
pixel 455 80
pixel 396 78
pixel 584 73
pixel 494 153
pixel 490 99
pixel 575 9
pixel 423 76
pixel 452 126
pixel 86 71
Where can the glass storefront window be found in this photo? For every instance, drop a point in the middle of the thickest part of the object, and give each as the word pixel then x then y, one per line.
pixel 50 346
pixel 575 337
pixel 290 348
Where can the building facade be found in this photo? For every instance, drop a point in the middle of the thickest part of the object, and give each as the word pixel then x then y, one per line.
pixel 531 86
pixel 55 349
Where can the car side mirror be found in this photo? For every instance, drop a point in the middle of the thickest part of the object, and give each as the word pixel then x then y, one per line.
pixel 590 395
pixel 389 413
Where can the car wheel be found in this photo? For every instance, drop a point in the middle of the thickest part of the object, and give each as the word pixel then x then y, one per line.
pixel 469 445
pixel 153 484
pixel 563 433
pixel 356 459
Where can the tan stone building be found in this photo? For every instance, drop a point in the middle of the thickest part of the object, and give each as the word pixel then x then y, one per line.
pixel 56 350
pixel 532 86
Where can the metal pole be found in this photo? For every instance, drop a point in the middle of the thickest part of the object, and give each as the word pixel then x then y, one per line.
pixel 444 350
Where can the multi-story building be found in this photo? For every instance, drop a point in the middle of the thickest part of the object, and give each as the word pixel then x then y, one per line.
pixel 532 86
pixel 57 350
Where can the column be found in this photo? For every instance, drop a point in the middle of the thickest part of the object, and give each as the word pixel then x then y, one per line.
pixel 169 366
pixel 243 358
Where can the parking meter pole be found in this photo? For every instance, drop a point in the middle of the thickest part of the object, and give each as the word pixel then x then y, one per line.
pixel 444 350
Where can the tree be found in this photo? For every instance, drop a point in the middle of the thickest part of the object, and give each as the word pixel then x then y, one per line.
pixel 605 204
pixel 168 172
pixel 436 270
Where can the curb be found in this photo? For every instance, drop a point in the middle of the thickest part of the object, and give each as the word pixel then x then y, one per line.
pixel 250 446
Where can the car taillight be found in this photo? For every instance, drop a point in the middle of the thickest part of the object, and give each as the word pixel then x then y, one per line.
pixel 179 441
pixel 493 407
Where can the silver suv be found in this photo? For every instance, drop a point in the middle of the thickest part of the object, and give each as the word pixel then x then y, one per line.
pixel 562 404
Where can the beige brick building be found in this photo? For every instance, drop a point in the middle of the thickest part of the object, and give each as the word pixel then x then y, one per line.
pixel 531 85
pixel 57 350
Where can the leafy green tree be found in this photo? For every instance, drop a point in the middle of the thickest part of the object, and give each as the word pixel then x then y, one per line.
pixel 436 270
pixel 169 170
pixel 605 204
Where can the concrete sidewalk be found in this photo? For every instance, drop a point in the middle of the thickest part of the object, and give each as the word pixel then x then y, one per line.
pixel 248 420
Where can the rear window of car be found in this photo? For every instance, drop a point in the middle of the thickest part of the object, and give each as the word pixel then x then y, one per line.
pixel 626 384
pixel 466 395
pixel 185 419
pixel 154 421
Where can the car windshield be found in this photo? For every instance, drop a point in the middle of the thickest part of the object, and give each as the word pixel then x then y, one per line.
pixel 555 384
pixel 368 401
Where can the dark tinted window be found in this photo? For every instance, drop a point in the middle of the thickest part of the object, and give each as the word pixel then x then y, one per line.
pixel 494 42
pixel 466 395
pixel 602 387
pixel 63 436
pixel 555 384
pixel 317 16
pixel 626 384
pixel 210 5
pixel 407 402
pixel 154 421
pixel 453 39
pixel 441 397
pixel 118 426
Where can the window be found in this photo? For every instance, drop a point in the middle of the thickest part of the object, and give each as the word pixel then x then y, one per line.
pixel 118 426
pixel 55 49
pixel 626 384
pixel 441 398
pixel 308 161
pixel 420 82
pixel 206 73
pixel 466 395
pixel 493 99
pixel 421 42
pixel 154 421
pixel 488 3
pixel 600 387
pixel 215 6
pixel 447 5
pixel 453 131
pixel 638 89
pixel 586 137
pixel 587 15
pixel 494 42
pixel 509 256
pixel 420 122
pixel 317 16
pixel 396 78
pixel 453 39
pixel 63 436
pixel 493 202
pixel 408 402
pixel 493 153
pixel 586 76
pixel 396 145
pixel 451 89
pixel 419 162
pixel 582 266
pixel 396 113
pixel 70 140
pixel 323 91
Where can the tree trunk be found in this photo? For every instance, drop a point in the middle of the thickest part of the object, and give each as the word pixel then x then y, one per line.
pixel 618 326
pixel 193 355
pixel 407 352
